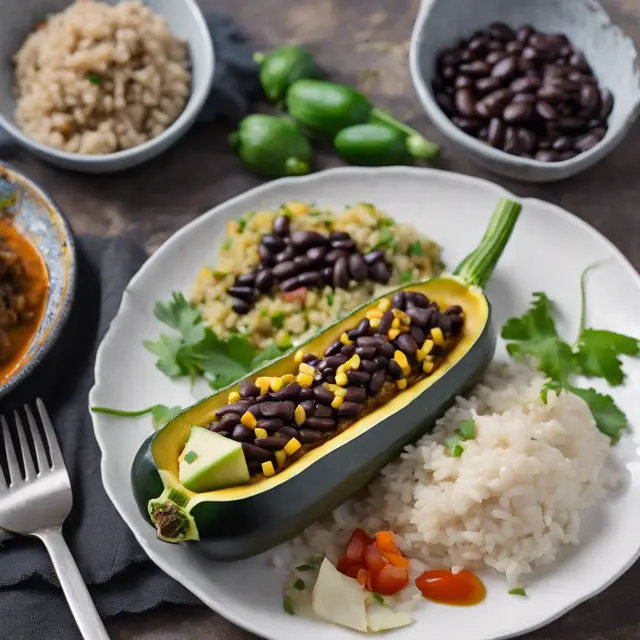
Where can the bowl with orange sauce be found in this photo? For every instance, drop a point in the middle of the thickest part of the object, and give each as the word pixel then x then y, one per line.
pixel 37 275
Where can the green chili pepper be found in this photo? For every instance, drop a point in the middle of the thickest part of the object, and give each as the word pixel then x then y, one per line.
pixel 372 145
pixel 282 67
pixel 327 108
pixel 271 146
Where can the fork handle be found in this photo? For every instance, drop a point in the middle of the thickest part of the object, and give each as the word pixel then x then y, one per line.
pixel 73 585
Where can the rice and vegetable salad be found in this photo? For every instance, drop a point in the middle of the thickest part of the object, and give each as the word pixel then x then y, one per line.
pixel 286 318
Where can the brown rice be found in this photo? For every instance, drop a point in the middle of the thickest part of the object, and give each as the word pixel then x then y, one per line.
pixel 99 78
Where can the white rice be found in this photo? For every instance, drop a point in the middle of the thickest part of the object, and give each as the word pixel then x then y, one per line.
pixel 509 502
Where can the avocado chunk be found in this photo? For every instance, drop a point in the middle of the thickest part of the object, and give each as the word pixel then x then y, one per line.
pixel 210 461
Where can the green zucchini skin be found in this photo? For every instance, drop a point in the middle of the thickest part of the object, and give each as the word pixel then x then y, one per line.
pixel 282 67
pixel 242 528
pixel 372 145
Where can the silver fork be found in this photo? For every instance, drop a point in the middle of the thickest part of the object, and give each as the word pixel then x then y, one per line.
pixel 37 505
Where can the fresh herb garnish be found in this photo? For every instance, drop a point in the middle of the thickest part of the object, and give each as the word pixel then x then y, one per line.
pixel 306 567
pixel 384 222
pixel 416 249
pixel 378 598
pixel 94 78
pixel 406 277
pixel 386 240
pixel 595 353
pixel 287 605
pixel 226 245
pixel 160 413
pixel 197 351
pixel 277 320
pixel 518 591
pixel 190 457
pixel 330 299
pixel 299 584
pixel 466 431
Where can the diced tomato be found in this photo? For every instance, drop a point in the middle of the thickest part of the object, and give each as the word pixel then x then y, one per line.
pixel 357 544
pixel 386 543
pixel 389 580
pixel 343 565
pixel 374 559
pixel 354 569
pixel 364 578
pixel 396 560
pixel 297 295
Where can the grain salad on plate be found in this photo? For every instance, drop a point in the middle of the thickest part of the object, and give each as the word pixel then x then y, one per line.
pixel 99 78
pixel 301 299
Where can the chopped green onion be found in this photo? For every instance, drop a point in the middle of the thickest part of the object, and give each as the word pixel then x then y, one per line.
pixel 285 342
pixel 519 591
pixel 467 429
pixel 277 320
pixel 190 457
pixel 299 585
pixel 386 240
pixel 456 452
pixel 331 299
pixel 315 214
pixel 378 598
pixel 305 567
pixel 385 222
pixel 94 78
pixel 287 605
pixel 227 244
pixel 416 249
pixel 406 277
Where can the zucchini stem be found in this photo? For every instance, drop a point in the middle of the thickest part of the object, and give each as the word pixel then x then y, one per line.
pixel 122 413
pixel 170 516
pixel 477 268
pixel 417 145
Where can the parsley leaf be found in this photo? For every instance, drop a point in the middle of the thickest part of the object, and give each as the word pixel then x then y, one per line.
pixel 386 240
pixel 181 315
pixel 277 320
pixel 266 355
pixel 416 249
pixel 161 414
pixel 378 598
pixel 287 605
pixel 534 334
pixel 608 416
pixel 299 584
pixel 518 591
pixel 598 352
pixel 406 277
pixel 166 349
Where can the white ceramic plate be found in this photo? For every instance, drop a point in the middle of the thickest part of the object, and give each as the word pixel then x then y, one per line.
pixel 547 252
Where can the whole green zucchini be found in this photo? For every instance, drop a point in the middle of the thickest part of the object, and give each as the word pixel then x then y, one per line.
pixel 242 521
pixel 372 145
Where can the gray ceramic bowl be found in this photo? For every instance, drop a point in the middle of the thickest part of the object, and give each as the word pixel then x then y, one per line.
pixel 441 23
pixel 18 19
pixel 40 219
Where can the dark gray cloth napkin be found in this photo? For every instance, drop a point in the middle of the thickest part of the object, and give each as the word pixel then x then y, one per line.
pixel 120 576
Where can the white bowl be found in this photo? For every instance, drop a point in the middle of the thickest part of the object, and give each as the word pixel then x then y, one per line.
pixel 19 19
pixel 612 55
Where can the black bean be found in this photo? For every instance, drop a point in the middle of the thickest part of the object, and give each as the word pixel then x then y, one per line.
pixel 303 240
pixel 525 84
pixel 309 357
pixel 361 330
pixel 355 394
pixel 514 47
pixel 523 33
pixel 358 267
pixel 281 225
pixel 377 380
pixel 395 370
pixel 385 322
pixel 475 69
pixel 381 361
pixel 255 410
pixel 372 256
pixel 495 45
pixel 506 69
pixel 320 424
pixel 266 257
pixel 334 348
pixel 306 394
pixel 444 323
pixel 530 54
pixel 417 334
pixel 526 140
pixel 387 350
pixel 368 341
pixel 465 103
pixel 448 58
pixel 478 45
pixel 339 235
pixel 501 31
pixel 358 377
pixel 599 132
pixel 230 419
pixel 327 276
pixel 547 156
pixel 341 274
pixel 285 270
pixel 270 424
pixel 379 272
pixel 289 392
pixel 485 110
pixel 288 432
pixel 368 366
pixel 302 263
pixel 264 279
pixel 285 256
pixel 495 134
pixel 454 309
pixel 446 103
pixel 273 242
pixel 291 284
pixel 546 111
pixel 248 389
pixel 528 98
pixel 468 125
pixel 406 344
pixel 567 155
pixel 463 82
pixel 323 411
pixel 309 407
pixel 586 142
pixel 271 442
pixel 308 436
pixel 333 362
pixel 254 466
pixel 235 407
pixel 344 245
pixel 510 144
pixel 366 353
pixel 579 62
pixel 571 123
pixel 334 255
pixel 282 410
pixel 483 133
pixel 493 57
pixel 322 395
pixel 456 324
pixel 606 100
pixel 348 350
pixel 246 280
pixel 316 255
pixel 399 300
pixel 415 299
pixel 256 453
pixel 242 434
pixel 243 293
pixel 309 279
pixel 515 113
pixel 449 73
pixel 348 409
pixel 589 97
pixel 487 85
pixel 563 143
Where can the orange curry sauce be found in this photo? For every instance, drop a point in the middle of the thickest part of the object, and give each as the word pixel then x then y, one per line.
pixel 462 589
pixel 36 270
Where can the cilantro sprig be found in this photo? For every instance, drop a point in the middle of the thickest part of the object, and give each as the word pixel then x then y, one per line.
pixel 594 354
pixel 466 431
pixel 197 351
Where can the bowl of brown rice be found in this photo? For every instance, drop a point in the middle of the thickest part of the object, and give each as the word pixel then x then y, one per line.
pixel 102 85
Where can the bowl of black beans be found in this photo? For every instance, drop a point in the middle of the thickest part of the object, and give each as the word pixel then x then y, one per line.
pixel 536 91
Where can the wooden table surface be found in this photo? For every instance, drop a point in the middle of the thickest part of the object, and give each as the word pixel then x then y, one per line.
pixel 361 42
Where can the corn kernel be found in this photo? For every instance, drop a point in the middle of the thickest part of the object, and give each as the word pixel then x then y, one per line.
pixel 276 384
pixel 374 313
pixel 353 363
pixel 437 337
pixel 306 368
pixel 405 320
pixel 297 208
pixel 234 396
pixel 401 384
pixel 267 469
pixel 299 415
pixel 395 323
pixel 292 446
pixel 427 366
pixel 299 355
pixel 336 402
pixel 304 379
pixel 384 305
pixel 340 391
pixel 420 355
pixel 374 323
pixel 400 358
pixel 344 338
pixel 288 378
pixel 393 334
pixel 427 345
pixel 263 381
pixel 249 420
pixel 260 432
pixel 281 458
pixel 341 379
